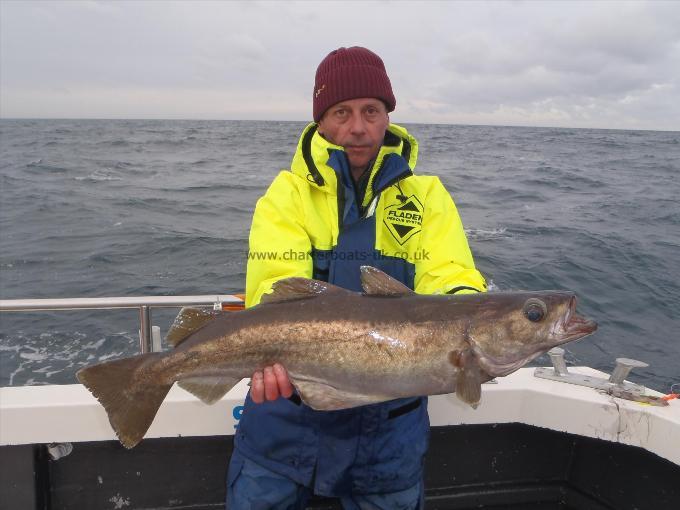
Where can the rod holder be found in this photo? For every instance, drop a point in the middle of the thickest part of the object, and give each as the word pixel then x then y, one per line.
pixel 623 368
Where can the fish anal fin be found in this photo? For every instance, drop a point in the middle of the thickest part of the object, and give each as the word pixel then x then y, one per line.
pixel 130 404
pixel 324 397
pixel 208 389
pixel 188 321
pixel 469 378
pixel 377 283
pixel 290 289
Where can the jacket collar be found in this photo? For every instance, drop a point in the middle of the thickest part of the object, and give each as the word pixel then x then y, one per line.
pixel 319 161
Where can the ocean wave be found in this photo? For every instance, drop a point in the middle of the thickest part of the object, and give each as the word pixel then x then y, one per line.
pixel 480 234
pixel 39 166
pixel 178 142
pixel 523 196
pixel 98 176
pixel 491 286
pixel 203 162
pixel 222 187
pixel 54 357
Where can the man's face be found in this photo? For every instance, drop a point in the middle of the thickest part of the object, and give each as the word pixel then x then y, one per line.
pixel 359 126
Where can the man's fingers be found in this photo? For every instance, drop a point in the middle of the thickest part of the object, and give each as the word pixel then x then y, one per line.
pixel 257 388
pixel 271 387
pixel 270 384
pixel 285 387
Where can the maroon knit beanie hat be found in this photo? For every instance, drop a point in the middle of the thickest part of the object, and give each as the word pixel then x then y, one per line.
pixel 350 73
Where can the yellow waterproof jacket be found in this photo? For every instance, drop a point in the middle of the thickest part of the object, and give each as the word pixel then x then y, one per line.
pixel 297 222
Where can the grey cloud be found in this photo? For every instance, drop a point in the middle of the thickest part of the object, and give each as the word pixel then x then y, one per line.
pixel 639 33
pixel 590 61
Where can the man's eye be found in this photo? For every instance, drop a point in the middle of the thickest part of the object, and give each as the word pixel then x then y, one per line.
pixel 341 113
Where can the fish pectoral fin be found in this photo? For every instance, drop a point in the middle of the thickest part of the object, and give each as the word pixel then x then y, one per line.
pixel 188 321
pixel 376 283
pixel 208 389
pixel 290 289
pixel 324 397
pixel 469 378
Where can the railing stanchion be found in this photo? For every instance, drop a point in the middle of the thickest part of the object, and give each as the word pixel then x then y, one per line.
pixel 145 344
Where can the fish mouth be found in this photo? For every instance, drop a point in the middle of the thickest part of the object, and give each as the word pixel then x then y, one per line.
pixel 575 326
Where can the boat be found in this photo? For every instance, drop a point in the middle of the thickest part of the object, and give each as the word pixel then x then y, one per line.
pixel 542 438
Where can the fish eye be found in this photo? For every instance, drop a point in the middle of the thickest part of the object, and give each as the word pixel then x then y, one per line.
pixel 535 310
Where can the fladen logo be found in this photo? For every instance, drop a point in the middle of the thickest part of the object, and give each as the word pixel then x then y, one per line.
pixel 405 219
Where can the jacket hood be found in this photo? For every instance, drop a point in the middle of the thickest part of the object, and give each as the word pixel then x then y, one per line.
pixel 313 153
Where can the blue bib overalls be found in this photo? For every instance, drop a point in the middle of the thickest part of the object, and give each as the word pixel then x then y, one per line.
pixel 376 448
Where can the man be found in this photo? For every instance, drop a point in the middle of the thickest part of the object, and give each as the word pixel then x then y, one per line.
pixel 350 199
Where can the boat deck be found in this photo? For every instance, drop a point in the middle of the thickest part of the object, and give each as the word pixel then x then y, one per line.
pixel 531 444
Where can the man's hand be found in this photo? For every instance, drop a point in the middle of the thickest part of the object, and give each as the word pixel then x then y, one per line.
pixel 270 384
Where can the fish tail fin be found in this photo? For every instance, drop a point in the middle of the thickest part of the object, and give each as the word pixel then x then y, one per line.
pixel 131 403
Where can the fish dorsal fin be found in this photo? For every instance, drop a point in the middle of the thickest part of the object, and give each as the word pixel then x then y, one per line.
pixel 290 289
pixel 188 321
pixel 377 283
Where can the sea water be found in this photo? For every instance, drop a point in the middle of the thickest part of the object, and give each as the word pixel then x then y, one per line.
pixel 94 208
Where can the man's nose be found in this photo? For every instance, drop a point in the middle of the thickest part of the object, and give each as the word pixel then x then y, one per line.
pixel 358 125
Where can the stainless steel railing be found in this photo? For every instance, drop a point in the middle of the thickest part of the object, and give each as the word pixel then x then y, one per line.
pixel 143 303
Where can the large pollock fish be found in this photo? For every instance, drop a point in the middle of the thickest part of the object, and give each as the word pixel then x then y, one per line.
pixel 342 349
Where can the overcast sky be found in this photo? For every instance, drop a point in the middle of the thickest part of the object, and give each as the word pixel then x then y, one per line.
pixel 575 64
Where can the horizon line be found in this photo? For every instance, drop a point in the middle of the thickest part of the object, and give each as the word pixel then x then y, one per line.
pixel 190 119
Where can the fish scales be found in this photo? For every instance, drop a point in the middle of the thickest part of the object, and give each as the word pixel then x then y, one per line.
pixel 338 332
